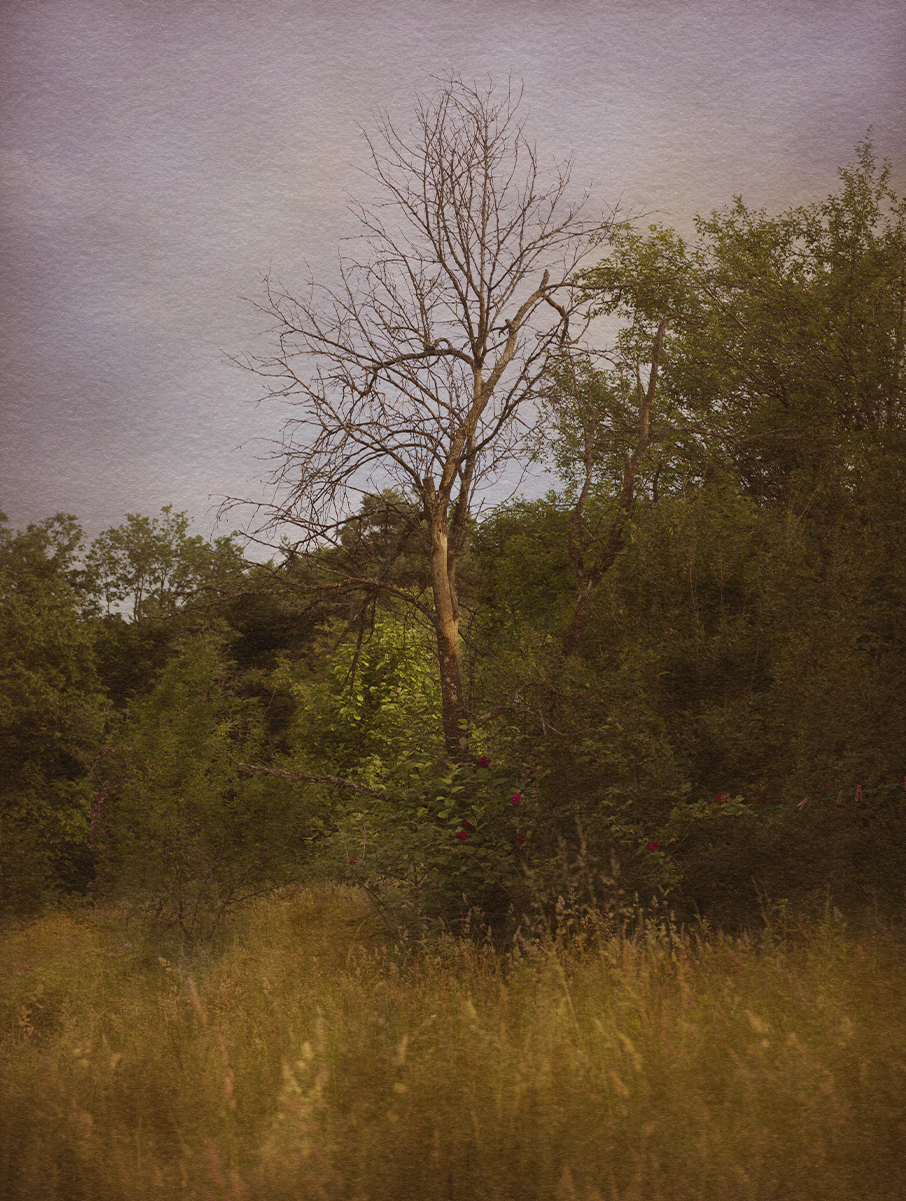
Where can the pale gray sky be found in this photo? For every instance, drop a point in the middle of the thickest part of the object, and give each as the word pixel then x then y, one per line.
pixel 158 156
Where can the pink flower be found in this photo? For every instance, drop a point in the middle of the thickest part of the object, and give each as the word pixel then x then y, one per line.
pixel 515 798
pixel 353 860
pixel 520 838
pixel 653 846
pixel 462 835
pixel 484 761
pixel 722 797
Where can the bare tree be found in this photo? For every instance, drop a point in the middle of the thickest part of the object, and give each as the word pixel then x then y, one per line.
pixel 419 371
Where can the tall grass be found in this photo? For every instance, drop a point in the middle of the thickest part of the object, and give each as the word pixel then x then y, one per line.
pixel 308 1060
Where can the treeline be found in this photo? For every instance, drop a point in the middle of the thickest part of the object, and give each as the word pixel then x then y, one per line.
pixel 701 626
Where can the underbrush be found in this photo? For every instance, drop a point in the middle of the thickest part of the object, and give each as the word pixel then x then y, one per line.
pixel 309 1058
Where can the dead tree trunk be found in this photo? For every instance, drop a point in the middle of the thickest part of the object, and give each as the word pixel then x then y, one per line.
pixel 420 371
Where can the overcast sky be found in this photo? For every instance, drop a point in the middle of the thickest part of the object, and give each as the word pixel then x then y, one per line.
pixel 159 156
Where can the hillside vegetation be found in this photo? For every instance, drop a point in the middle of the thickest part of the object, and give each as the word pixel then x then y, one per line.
pixel 313 1058
pixel 556 851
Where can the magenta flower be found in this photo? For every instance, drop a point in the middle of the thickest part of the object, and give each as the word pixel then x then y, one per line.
pixel 484 761
pixel 462 835
pixel 520 838
pixel 515 798
pixel 653 846
pixel 722 797
pixel 353 860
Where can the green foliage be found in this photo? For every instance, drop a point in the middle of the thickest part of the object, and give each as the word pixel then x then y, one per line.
pixel 746 641
pixel 376 705
pixel 431 839
pixel 592 429
pixel 437 848
pixel 706 622
pixel 786 333
pixel 525 575
pixel 733 654
pixel 52 713
pixel 147 583
pixel 386 539
pixel 274 618
pixel 373 716
pixel 180 834
pixel 151 566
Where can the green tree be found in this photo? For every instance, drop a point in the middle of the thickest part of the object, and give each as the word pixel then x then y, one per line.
pixel 150 567
pixel 786 333
pixel 375 706
pixel 742 632
pixel 179 830
pixel 147 582
pixel 617 445
pixel 728 656
pixel 52 713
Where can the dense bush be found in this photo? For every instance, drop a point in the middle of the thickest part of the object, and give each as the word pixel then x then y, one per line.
pixel 52 712
pixel 181 833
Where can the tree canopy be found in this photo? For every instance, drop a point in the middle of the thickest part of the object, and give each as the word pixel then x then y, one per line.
pixel 628 685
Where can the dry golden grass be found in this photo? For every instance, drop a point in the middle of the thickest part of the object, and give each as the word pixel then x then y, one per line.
pixel 308 1061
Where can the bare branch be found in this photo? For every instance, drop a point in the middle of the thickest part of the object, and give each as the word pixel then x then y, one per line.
pixel 420 371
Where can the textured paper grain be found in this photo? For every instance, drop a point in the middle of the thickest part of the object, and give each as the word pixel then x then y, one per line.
pixel 160 157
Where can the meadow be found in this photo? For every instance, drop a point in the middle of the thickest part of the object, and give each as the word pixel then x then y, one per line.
pixel 311 1058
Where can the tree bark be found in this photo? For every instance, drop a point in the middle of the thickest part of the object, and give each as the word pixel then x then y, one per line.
pixel 419 372
pixel 582 609
pixel 589 575
pixel 446 626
